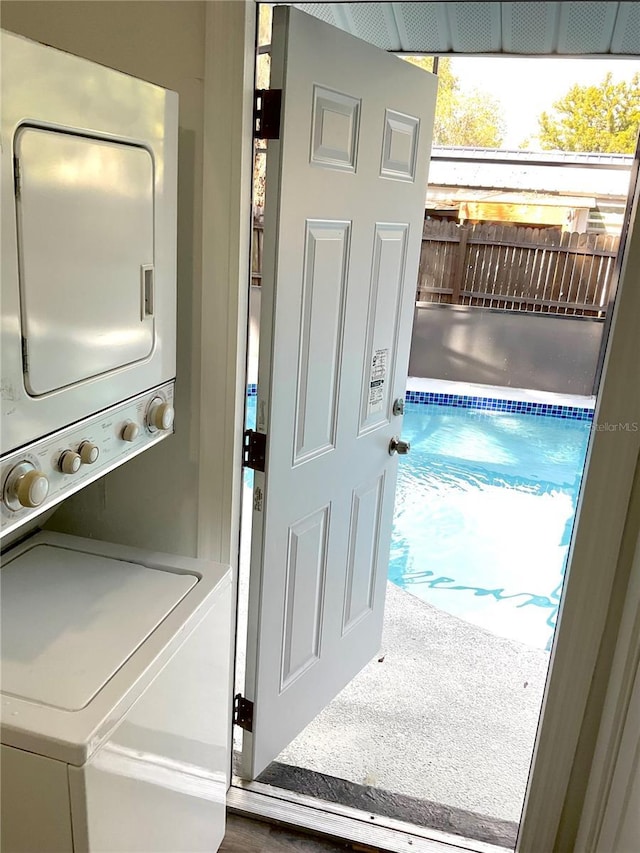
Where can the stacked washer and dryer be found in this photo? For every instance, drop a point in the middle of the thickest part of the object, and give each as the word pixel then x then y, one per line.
pixel 114 663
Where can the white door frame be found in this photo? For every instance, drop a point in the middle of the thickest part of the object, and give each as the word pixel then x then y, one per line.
pixel 606 493
pixel 610 800
pixel 229 47
pixel 593 564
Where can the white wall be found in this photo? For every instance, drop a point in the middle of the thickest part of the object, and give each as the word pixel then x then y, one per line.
pixel 180 496
pixel 162 43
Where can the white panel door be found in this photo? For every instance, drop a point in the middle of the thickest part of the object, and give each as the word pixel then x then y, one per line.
pixel 346 185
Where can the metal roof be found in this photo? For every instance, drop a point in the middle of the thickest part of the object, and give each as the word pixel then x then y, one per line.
pixel 522 28
pixel 551 158
pixel 567 173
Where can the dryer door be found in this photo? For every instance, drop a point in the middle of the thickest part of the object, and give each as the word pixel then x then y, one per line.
pixel 86 252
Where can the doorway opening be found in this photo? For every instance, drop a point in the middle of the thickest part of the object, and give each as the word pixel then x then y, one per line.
pixel 323 761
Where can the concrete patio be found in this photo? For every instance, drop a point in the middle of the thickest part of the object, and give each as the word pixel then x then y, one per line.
pixel 447 713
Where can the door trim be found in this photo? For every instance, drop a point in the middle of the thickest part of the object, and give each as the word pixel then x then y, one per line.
pixel 613 766
pixel 227 170
pixel 215 433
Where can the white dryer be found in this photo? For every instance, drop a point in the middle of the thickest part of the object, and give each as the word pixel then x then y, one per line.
pixel 115 699
pixel 88 168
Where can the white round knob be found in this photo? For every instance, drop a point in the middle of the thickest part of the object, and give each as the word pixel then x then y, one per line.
pixel 69 462
pixel 130 431
pixel 31 488
pixel 160 415
pixel 89 452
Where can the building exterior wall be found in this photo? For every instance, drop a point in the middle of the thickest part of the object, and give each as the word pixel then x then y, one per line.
pixel 489 347
pixel 590 189
pixel 506 348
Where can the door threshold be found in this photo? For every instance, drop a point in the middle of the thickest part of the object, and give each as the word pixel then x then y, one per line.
pixel 254 799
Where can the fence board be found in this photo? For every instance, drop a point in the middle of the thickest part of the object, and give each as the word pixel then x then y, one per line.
pixel 518 268
pixel 458 267
pixel 506 266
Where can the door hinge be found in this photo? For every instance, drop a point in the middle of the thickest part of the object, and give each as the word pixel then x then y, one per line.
pixel 16 176
pixel 255 450
pixel 267 107
pixel 243 713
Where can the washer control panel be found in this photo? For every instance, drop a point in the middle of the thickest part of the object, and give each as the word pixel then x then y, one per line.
pixel 40 475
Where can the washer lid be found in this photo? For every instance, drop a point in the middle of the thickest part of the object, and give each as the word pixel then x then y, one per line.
pixel 70 620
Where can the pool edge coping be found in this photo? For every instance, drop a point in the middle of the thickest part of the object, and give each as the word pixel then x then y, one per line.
pixel 486 403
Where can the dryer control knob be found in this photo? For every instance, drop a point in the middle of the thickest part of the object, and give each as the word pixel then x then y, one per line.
pixel 31 488
pixel 130 431
pixel 25 486
pixel 160 415
pixel 69 462
pixel 89 452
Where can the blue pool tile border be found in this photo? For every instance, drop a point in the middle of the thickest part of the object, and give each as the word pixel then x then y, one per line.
pixel 494 404
pixel 491 404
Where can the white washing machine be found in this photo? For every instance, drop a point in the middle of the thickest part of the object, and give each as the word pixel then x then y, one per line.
pixel 115 699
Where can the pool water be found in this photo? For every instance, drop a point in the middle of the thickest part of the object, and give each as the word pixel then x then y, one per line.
pixel 485 504
pixel 484 509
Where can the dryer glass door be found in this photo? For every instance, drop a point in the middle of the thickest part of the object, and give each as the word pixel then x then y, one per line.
pixel 86 250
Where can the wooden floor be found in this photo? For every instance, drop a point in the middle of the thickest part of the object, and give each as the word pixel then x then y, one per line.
pixel 251 836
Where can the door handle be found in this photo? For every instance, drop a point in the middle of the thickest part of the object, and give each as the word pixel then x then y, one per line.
pixel 147 288
pixel 397 445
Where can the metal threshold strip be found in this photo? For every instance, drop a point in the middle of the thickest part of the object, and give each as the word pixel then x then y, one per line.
pixel 253 799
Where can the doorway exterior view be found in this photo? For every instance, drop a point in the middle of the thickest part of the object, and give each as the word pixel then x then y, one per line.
pixel 290 560
pixel 209 61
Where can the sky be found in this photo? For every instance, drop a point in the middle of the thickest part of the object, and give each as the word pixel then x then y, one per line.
pixel 527 87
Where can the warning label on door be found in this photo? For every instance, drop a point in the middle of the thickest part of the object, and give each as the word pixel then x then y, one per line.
pixel 377 380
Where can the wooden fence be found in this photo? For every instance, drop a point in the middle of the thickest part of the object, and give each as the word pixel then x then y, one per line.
pixel 503 266
pixel 522 269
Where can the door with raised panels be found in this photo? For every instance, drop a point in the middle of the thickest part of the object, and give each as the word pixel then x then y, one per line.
pixel 346 185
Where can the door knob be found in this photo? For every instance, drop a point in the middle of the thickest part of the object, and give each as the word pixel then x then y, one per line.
pixel 397 445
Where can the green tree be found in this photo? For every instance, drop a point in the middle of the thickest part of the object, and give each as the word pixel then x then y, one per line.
pixel 472 119
pixel 594 118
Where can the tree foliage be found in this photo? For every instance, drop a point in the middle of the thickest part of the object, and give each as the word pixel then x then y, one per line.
pixel 594 118
pixel 472 119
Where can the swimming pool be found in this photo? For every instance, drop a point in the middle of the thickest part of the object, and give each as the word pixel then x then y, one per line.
pixel 484 508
